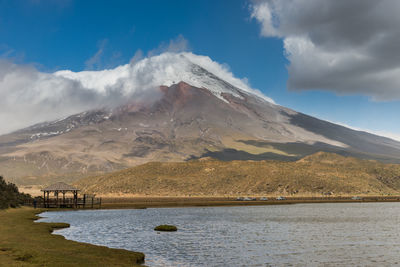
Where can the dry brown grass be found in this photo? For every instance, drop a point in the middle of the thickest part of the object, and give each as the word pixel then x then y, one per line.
pixel 312 176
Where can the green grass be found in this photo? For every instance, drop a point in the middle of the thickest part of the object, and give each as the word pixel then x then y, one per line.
pixel 25 243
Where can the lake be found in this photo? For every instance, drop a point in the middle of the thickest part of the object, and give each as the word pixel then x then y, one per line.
pixel 329 234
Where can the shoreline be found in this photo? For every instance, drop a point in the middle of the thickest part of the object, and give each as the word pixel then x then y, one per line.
pixel 26 243
pixel 160 202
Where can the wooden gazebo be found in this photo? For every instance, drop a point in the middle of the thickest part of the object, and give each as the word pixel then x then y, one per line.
pixel 62 188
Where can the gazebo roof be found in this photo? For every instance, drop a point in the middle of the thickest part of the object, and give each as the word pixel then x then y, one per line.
pixel 60 187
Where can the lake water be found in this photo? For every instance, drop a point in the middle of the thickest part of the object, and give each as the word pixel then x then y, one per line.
pixel 342 234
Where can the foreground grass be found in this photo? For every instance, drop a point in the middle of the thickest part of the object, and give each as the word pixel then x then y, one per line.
pixel 25 243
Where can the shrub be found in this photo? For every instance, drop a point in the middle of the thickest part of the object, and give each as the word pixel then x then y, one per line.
pixel 10 197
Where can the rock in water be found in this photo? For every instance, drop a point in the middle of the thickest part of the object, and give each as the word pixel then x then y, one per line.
pixel 166 228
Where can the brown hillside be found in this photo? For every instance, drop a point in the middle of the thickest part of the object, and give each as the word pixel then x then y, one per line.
pixel 317 174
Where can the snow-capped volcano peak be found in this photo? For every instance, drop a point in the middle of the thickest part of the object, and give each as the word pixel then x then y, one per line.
pixel 34 96
pixel 165 69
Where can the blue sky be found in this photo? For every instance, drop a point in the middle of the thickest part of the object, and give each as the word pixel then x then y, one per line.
pixel 66 34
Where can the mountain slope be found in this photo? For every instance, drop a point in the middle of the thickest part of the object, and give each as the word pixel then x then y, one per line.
pixel 318 174
pixel 215 119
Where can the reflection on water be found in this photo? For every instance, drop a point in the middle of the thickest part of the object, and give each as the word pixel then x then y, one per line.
pixel 342 234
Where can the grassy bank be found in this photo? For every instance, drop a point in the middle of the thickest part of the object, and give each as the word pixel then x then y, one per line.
pixel 25 243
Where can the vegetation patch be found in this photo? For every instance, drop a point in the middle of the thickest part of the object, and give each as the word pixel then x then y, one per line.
pixel 10 197
pixel 24 257
pixel 314 175
pixel 166 228
pixel 25 243
pixel 55 226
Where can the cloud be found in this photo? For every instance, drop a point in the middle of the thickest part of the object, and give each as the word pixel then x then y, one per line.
pixel 391 135
pixel 95 61
pixel 28 96
pixel 7 52
pixel 138 56
pixel 350 47
pixel 177 45
pixel 149 73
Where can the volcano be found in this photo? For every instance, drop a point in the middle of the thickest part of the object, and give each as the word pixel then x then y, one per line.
pixel 196 114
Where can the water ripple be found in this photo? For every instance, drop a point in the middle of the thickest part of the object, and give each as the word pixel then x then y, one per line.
pixel 342 234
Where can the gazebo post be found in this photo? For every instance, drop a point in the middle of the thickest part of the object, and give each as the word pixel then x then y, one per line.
pixel 76 198
pixel 44 199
